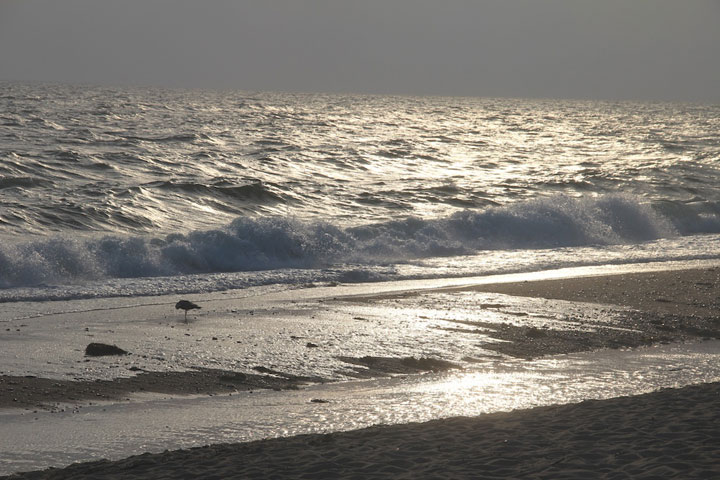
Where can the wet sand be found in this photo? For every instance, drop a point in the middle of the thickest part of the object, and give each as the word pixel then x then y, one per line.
pixel 665 306
pixel 673 433
pixel 668 306
pixel 691 293
pixel 36 393
pixel 667 434
pixel 55 395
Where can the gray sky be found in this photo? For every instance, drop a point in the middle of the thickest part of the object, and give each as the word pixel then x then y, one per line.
pixel 608 49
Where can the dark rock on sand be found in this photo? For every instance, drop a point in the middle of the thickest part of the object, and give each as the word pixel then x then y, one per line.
pixel 102 349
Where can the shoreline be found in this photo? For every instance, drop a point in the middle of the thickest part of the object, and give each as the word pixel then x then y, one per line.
pixel 671 433
pixel 688 292
pixel 665 306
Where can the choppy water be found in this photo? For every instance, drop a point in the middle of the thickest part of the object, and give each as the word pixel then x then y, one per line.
pixel 139 190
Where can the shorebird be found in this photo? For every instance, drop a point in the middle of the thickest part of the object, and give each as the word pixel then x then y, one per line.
pixel 186 305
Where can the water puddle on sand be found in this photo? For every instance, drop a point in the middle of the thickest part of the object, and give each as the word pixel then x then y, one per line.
pixel 39 440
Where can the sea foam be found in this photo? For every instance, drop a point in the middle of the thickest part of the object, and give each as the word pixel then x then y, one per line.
pixel 270 243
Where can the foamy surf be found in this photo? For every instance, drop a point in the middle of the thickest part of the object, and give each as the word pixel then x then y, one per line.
pixel 530 235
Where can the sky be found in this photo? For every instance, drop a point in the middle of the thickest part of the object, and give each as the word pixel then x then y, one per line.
pixel 596 49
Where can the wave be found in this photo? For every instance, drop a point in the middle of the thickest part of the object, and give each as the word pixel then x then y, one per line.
pixel 258 244
pixel 23 182
pixel 256 191
pixel 182 138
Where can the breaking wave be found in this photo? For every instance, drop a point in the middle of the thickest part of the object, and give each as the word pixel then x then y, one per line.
pixel 258 244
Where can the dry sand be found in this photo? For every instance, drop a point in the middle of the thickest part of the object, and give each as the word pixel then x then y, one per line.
pixel 667 434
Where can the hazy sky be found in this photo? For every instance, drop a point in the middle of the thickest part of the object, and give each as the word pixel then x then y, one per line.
pixel 612 49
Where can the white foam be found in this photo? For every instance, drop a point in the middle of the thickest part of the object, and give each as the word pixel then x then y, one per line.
pixel 526 235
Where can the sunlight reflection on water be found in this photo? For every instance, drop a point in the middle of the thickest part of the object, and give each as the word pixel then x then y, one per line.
pixel 117 431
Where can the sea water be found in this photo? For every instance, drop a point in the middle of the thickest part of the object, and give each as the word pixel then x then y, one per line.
pixel 140 191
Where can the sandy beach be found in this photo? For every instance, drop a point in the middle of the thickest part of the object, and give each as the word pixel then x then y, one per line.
pixel 662 435
pixel 690 293
pixel 668 434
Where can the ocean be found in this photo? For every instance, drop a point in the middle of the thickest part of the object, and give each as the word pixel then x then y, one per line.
pixel 111 192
